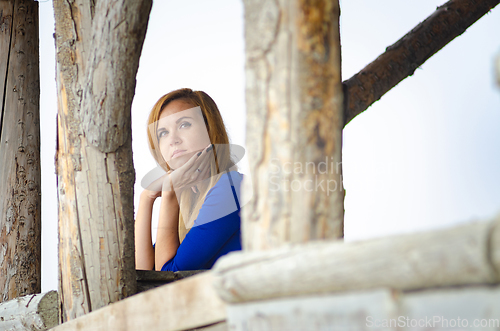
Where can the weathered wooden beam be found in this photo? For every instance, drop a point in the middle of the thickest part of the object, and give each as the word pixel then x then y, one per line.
pixel 469 307
pixel 294 120
pixel 466 254
pixel 329 311
pixel 98 51
pixel 402 58
pixel 186 304
pixel 20 201
pixel 31 312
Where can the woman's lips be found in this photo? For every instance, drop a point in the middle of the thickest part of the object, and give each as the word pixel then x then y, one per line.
pixel 178 153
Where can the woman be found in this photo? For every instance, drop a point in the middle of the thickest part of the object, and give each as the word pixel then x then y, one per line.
pixel 199 213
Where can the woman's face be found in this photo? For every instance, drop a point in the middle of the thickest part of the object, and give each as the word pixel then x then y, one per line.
pixel 181 132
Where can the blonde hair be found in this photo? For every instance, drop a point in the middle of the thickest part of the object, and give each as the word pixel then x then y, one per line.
pixel 189 206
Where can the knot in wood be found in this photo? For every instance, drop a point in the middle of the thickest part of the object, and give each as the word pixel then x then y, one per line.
pixel 21 196
pixel 31 185
pixel 21 30
pixel 10 215
pixel 21 172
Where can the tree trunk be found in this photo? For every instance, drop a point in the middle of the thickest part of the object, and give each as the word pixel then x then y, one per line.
pixel 20 227
pixel 294 122
pixel 98 51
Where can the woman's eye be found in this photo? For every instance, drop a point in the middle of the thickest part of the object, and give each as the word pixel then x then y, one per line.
pixel 162 134
pixel 185 125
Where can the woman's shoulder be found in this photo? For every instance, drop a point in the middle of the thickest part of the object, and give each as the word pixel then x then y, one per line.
pixel 232 178
pixel 228 186
pixel 222 199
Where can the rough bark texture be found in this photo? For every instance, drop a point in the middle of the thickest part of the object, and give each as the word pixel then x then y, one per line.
pixel 20 201
pixel 467 254
pixel 31 312
pixel 294 122
pixel 410 52
pixel 98 49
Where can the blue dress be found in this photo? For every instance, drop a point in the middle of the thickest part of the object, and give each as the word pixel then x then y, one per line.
pixel 216 231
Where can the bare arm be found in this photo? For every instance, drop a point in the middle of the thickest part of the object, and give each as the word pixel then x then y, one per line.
pixel 167 237
pixel 144 252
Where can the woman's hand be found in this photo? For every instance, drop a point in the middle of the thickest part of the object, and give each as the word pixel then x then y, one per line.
pixel 196 169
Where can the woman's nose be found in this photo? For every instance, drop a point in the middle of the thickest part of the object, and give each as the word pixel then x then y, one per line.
pixel 175 139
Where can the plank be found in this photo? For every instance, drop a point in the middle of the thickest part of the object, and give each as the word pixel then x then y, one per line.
pixel 464 308
pixel 185 304
pixel 148 279
pixel 349 311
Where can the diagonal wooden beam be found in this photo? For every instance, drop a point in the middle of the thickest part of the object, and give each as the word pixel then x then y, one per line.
pixel 402 58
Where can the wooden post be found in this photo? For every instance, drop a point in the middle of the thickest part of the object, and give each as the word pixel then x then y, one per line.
pixel 294 122
pixel 20 227
pixel 98 49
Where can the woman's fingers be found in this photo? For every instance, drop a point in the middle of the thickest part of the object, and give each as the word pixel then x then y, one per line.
pixel 206 173
pixel 193 170
pixel 205 158
pixel 197 159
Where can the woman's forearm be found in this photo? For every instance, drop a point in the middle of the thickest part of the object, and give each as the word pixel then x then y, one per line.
pixel 144 252
pixel 167 237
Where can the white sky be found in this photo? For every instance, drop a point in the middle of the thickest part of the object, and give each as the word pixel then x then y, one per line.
pixel 424 156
